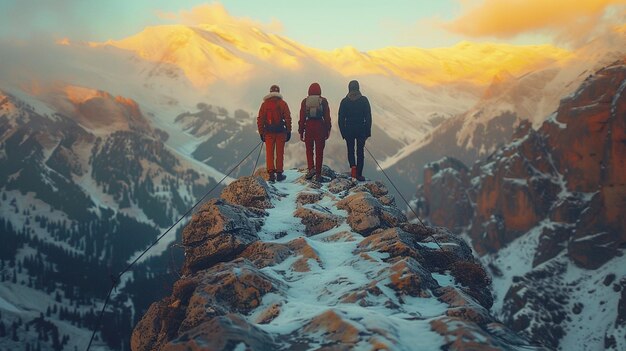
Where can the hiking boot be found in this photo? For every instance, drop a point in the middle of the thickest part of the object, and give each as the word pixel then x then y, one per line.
pixel 353 172
pixel 272 177
pixel 318 178
pixel 360 178
pixel 310 174
pixel 280 176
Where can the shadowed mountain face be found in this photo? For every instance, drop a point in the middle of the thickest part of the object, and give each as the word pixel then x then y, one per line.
pixel 549 207
pixel 77 204
pixel 296 265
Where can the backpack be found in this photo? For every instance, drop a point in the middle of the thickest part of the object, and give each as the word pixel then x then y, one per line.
pixel 313 107
pixel 273 118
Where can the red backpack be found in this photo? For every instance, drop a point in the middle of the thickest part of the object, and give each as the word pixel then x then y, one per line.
pixel 273 118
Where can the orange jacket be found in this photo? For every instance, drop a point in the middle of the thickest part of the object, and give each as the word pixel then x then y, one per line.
pixel 274 115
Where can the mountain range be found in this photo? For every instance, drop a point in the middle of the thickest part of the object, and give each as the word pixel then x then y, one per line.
pixel 103 145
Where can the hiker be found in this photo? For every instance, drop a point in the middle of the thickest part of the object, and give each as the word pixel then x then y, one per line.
pixel 355 125
pixel 274 124
pixel 314 129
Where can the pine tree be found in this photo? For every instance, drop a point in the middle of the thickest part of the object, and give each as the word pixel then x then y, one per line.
pixel 14 335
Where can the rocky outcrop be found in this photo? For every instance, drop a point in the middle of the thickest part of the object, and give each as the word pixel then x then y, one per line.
pixel 248 192
pixel 217 233
pixel 367 213
pixel 300 274
pixel 451 208
pixel 551 199
pixel 571 171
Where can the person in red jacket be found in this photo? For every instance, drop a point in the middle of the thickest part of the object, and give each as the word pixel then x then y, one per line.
pixel 274 125
pixel 314 128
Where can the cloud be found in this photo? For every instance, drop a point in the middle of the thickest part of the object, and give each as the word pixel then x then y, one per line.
pixel 567 20
pixel 216 13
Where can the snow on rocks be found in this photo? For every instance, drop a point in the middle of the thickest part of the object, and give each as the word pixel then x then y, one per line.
pixel 217 233
pixel 300 274
pixel 248 192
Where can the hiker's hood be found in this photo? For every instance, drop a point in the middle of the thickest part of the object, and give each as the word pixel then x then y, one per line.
pixel 273 95
pixel 353 85
pixel 353 90
pixel 315 89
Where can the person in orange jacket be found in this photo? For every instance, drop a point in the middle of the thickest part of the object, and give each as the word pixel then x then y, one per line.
pixel 314 129
pixel 274 125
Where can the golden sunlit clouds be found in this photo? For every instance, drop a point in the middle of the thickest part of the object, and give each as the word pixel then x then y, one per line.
pixel 509 18
pixel 216 13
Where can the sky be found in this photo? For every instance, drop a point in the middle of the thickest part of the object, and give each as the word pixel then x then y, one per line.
pixel 327 24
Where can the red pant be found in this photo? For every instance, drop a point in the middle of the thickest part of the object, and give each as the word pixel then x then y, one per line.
pixel 315 136
pixel 275 140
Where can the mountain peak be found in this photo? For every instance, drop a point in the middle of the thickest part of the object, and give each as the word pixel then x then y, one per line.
pixel 300 264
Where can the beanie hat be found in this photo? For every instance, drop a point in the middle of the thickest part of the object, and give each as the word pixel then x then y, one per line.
pixel 353 85
pixel 274 89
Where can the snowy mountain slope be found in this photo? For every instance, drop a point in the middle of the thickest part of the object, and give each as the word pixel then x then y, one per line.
pixel 78 201
pixel 302 271
pixel 243 58
pixel 534 96
pixel 545 212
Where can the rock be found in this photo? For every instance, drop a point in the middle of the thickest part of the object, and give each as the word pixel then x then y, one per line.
pixel 218 232
pixel 621 306
pixel 552 241
pixel 302 248
pixel 478 315
pixel 333 328
pixel 328 172
pixel 537 304
pixel 261 172
pixel 263 254
pixel 450 243
pixel 597 239
pixel 450 208
pixel 248 192
pixel 269 314
pixel 462 335
pixel 307 198
pixel 362 295
pixel 237 286
pixel 395 242
pixel 387 200
pixel 223 333
pixel 366 213
pixel 408 277
pixel 340 237
pixel 316 221
pixel 155 328
pixel 376 188
pixel 339 185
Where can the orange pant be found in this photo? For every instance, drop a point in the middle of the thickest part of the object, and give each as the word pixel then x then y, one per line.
pixel 275 141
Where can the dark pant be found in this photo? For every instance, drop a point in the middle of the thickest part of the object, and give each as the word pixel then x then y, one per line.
pixel 360 155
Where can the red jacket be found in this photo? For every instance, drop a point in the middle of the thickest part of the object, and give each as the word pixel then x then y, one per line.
pixel 317 127
pixel 274 115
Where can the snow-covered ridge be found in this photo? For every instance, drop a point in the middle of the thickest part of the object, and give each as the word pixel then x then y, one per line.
pixel 275 266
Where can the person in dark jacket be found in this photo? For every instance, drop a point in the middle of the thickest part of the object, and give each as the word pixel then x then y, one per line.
pixel 314 128
pixel 274 125
pixel 355 125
